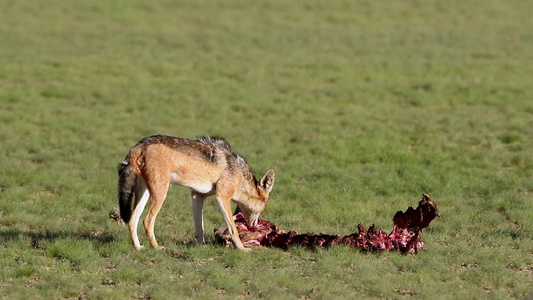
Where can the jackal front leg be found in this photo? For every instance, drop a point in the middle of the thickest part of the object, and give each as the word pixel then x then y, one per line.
pixel 198 215
pixel 225 209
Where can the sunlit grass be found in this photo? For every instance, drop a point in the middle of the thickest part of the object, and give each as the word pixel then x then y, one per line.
pixel 359 106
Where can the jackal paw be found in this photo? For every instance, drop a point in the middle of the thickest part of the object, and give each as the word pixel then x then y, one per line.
pixel 139 248
pixel 159 247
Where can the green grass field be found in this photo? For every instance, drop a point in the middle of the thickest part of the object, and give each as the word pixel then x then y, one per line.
pixel 359 106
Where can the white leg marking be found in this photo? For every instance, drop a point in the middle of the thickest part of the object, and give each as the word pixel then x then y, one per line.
pixel 141 198
pixel 198 216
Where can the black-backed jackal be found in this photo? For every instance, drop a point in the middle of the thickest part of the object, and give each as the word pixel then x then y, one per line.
pixel 207 165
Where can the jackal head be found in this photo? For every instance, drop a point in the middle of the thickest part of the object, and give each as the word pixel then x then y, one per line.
pixel 257 198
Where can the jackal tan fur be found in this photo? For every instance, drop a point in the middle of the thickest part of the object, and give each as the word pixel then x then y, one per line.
pixel 207 165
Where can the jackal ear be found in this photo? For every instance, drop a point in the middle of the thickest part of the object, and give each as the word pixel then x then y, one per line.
pixel 267 181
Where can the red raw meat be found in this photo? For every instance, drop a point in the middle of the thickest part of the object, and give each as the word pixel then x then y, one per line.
pixel 405 237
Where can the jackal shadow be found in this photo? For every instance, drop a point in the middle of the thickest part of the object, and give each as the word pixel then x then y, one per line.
pixel 39 238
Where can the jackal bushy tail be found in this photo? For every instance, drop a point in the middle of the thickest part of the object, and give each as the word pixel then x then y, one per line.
pixel 127 181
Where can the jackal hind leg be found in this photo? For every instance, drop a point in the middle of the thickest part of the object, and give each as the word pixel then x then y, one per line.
pixel 198 215
pixel 158 192
pixel 141 198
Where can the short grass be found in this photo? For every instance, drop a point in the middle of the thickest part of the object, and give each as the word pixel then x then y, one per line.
pixel 359 106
